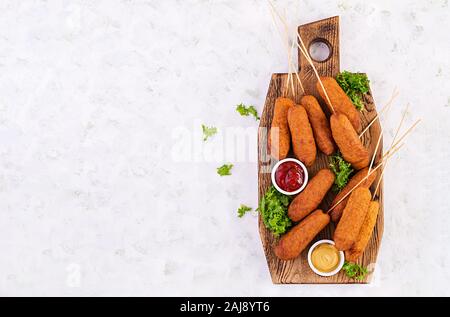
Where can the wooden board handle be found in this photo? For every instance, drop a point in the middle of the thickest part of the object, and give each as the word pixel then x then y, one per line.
pixel 326 31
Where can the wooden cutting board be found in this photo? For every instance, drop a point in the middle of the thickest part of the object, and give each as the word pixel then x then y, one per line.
pixel 297 271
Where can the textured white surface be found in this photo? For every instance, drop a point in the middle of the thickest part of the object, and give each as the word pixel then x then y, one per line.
pixel 92 93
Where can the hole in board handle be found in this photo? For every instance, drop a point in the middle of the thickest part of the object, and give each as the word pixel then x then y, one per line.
pixel 320 50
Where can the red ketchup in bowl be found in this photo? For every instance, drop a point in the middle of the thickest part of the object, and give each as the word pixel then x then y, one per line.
pixel 289 176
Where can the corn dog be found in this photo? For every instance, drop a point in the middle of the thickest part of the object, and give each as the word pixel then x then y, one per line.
pixel 352 219
pixel 339 100
pixel 320 124
pixel 280 138
pixel 348 141
pixel 297 239
pixel 336 213
pixel 310 198
pixel 364 235
pixel 302 135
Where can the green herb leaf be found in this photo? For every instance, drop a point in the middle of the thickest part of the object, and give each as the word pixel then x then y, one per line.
pixel 243 209
pixel 354 85
pixel 273 208
pixel 208 131
pixel 225 170
pixel 341 169
pixel 355 271
pixel 246 111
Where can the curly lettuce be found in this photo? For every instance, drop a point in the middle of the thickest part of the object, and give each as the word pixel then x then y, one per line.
pixel 355 85
pixel 341 169
pixel 273 209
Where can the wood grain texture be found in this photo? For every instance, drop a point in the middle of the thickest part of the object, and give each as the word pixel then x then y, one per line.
pixel 297 271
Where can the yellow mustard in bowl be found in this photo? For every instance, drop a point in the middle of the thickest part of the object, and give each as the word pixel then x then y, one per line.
pixel 325 257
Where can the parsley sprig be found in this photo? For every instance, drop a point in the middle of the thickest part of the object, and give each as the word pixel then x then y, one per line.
pixel 341 169
pixel 273 208
pixel 354 85
pixel 225 170
pixel 243 209
pixel 355 271
pixel 246 111
pixel 208 131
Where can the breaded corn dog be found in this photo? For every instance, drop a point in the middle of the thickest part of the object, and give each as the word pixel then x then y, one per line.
pixel 297 239
pixel 352 219
pixel 364 235
pixel 302 135
pixel 280 138
pixel 339 100
pixel 336 213
pixel 348 141
pixel 310 198
pixel 319 123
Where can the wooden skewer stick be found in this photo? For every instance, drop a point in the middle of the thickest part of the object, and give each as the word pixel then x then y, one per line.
pixel 290 64
pixel 296 73
pixel 388 156
pixel 376 150
pixel 390 152
pixel 379 180
pixel 407 132
pixel 300 82
pixel 290 79
pixel 286 85
pixel 283 21
pixel 308 58
pixel 383 168
pixel 290 68
pixel 392 143
pixel 384 158
pixel 386 107
pixel 285 43
pixel 304 52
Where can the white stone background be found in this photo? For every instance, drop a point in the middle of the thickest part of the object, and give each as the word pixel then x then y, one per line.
pixel 93 198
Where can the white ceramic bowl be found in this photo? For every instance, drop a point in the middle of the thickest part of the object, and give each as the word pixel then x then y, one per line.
pixel 305 172
pixel 335 271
